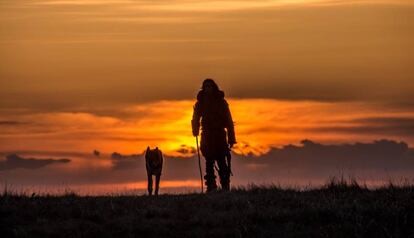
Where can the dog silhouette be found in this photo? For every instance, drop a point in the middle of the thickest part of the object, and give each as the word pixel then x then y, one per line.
pixel 153 162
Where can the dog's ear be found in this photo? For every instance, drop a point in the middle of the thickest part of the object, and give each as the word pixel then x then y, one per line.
pixel 147 151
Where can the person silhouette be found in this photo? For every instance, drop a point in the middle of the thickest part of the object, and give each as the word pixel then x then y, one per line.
pixel 216 122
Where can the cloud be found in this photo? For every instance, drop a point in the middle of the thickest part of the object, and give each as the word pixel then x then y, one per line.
pixel 184 149
pixel 403 122
pixel 10 123
pixel 388 126
pixel 309 160
pixel 14 161
pixel 378 160
pixel 375 155
pixel 307 163
pixel 121 162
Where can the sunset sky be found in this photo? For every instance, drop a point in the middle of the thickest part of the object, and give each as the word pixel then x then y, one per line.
pixel 119 75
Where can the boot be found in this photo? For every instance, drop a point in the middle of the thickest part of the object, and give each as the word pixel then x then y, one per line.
pixel 225 186
pixel 210 177
pixel 224 174
pixel 210 183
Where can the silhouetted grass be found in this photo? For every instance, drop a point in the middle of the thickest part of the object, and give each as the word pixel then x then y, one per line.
pixel 339 209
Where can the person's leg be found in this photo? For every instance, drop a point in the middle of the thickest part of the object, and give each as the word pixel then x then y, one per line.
pixel 210 177
pixel 149 184
pixel 224 173
pixel 157 183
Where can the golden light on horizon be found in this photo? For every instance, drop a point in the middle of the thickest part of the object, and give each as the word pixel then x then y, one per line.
pixel 260 125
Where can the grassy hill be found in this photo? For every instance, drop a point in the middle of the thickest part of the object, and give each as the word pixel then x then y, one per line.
pixel 338 209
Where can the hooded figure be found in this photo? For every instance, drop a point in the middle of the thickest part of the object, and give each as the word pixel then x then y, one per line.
pixel 217 133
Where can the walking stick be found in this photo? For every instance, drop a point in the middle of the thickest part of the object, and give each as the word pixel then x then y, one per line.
pixel 199 166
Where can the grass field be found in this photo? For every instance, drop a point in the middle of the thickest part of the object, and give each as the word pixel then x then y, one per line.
pixel 338 209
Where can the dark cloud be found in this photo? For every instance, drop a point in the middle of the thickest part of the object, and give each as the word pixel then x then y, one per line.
pixel 48 153
pixel 405 123
pixel 388 126
pixel 11 123
pixel 381 126
pixel 14 161
pixel 376 155
pixel 408 121
pixel 302 164
pixel 184 149
pixel 306 161
pixel 96 153
pixel 132 161
pixel 389 130
pixel 313 160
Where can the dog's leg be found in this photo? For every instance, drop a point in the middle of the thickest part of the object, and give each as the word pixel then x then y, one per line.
pixel 149 184
pixel 157 183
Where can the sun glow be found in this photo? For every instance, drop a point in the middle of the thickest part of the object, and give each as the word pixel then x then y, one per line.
pixel 260 124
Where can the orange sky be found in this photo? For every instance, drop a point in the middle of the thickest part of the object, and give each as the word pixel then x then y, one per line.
pixel 66 54
pixel 118 75
pixel 260 125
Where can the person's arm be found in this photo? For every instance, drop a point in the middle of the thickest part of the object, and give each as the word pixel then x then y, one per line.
pixel 231 137
pixel 195 122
